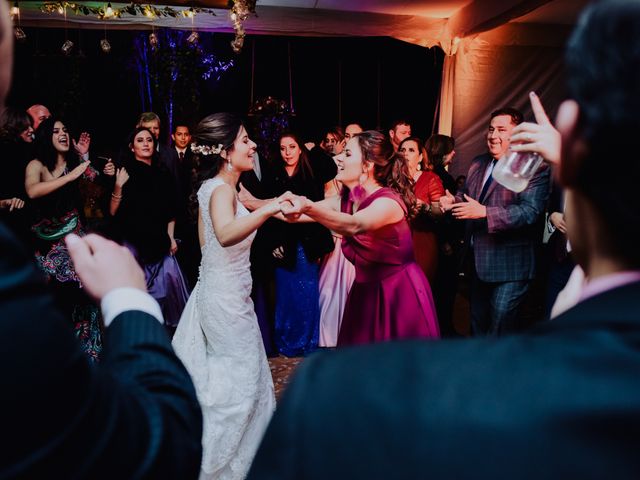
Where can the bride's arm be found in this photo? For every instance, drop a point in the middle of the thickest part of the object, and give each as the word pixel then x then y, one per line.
pixel 228 229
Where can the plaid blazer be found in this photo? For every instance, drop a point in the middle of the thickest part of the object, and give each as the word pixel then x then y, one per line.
pixel 504 242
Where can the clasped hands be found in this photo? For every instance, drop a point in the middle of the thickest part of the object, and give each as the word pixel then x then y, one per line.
pixel 470 209
pixel 292 206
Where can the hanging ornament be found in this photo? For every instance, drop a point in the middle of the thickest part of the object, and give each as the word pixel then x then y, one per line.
pixel 153 41
pixel 240 11
pixel 67 46
pixel 105 46
pixel 19 34
pixel 193 38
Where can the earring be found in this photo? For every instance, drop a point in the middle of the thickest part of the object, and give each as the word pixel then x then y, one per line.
pixel 229 167
pixel 358 193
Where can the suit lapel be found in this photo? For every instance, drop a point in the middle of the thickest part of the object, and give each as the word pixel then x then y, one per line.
pixel 490 190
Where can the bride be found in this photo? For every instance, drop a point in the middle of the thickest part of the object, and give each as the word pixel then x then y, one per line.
pixel 218 338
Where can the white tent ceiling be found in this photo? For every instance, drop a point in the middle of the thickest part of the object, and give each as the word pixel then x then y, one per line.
pixel 423 22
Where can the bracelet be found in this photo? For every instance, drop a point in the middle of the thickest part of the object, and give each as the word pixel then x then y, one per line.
pixel 117 197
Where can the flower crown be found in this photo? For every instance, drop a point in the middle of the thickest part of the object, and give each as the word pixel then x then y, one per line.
pixel 206 149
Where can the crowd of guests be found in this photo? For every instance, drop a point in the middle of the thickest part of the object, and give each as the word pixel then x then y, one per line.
pixel 560 400
pixel 302 280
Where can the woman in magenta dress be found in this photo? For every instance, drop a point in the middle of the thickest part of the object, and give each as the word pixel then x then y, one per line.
pixel 390 298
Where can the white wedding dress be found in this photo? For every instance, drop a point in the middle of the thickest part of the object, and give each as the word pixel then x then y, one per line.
pixel 219 342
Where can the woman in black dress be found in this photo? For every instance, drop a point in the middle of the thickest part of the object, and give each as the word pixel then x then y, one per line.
pixel 143 205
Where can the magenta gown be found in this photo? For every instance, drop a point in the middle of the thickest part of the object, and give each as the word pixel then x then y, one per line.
pixel 391 297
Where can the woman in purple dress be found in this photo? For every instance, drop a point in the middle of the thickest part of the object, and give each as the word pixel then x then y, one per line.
pixel 390 298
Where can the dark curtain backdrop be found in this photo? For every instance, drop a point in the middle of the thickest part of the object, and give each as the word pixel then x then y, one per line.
pixel 381 79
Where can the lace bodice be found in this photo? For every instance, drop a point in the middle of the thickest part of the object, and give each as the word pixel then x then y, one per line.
pixel 234 257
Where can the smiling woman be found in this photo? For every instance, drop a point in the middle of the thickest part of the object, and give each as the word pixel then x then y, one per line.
pixel 52 182
pixel 143 206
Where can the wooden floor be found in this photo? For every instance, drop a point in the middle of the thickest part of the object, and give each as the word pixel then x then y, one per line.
pixel 281 369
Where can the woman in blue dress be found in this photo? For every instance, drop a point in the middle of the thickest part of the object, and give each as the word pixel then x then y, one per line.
pixel 297 248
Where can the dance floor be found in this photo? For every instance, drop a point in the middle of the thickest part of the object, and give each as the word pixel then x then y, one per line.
pixel 281 369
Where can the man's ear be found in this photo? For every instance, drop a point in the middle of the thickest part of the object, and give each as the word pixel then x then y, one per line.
pixel 574 149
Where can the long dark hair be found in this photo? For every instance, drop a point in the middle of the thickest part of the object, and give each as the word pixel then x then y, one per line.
pixel 46 152
pixel 304 164
pixel 418 142
pixel 389 168
pixel 212 131
pixel 131 157
pixel 439 146
pixel 13 122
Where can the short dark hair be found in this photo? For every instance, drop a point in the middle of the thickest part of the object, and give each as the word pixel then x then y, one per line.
pixel 514 113
pixel 400 121
pixel 603 76
pixel 180 124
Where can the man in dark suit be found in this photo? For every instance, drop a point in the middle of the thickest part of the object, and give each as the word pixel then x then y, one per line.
pixel 503 229
pixel 562 401
pixel 186 230
pixel 135 415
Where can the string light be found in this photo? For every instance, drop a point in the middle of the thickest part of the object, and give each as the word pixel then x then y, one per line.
pixel 15 10
pixel 108 13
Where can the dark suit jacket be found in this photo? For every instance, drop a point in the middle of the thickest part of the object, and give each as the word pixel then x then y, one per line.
pixel 504 242
pixel 562 401
pixel 134 415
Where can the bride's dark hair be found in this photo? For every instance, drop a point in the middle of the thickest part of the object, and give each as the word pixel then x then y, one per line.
pixel 214 133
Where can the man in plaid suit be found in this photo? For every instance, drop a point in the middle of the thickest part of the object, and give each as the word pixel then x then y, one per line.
pixel 502 230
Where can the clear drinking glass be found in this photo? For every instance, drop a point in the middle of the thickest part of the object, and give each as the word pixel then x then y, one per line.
pixel 515 169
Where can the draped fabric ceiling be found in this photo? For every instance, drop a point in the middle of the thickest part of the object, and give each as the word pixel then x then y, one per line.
pixel 496 50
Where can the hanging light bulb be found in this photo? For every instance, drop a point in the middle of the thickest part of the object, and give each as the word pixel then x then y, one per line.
pixel 67 47
pixel 193 38
pixel 153 40
pixel 15 10
pixel 105 46
pixel 19 34
pixel 148 12
pixel 61 10
pixel 190 13
pixel 108 13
